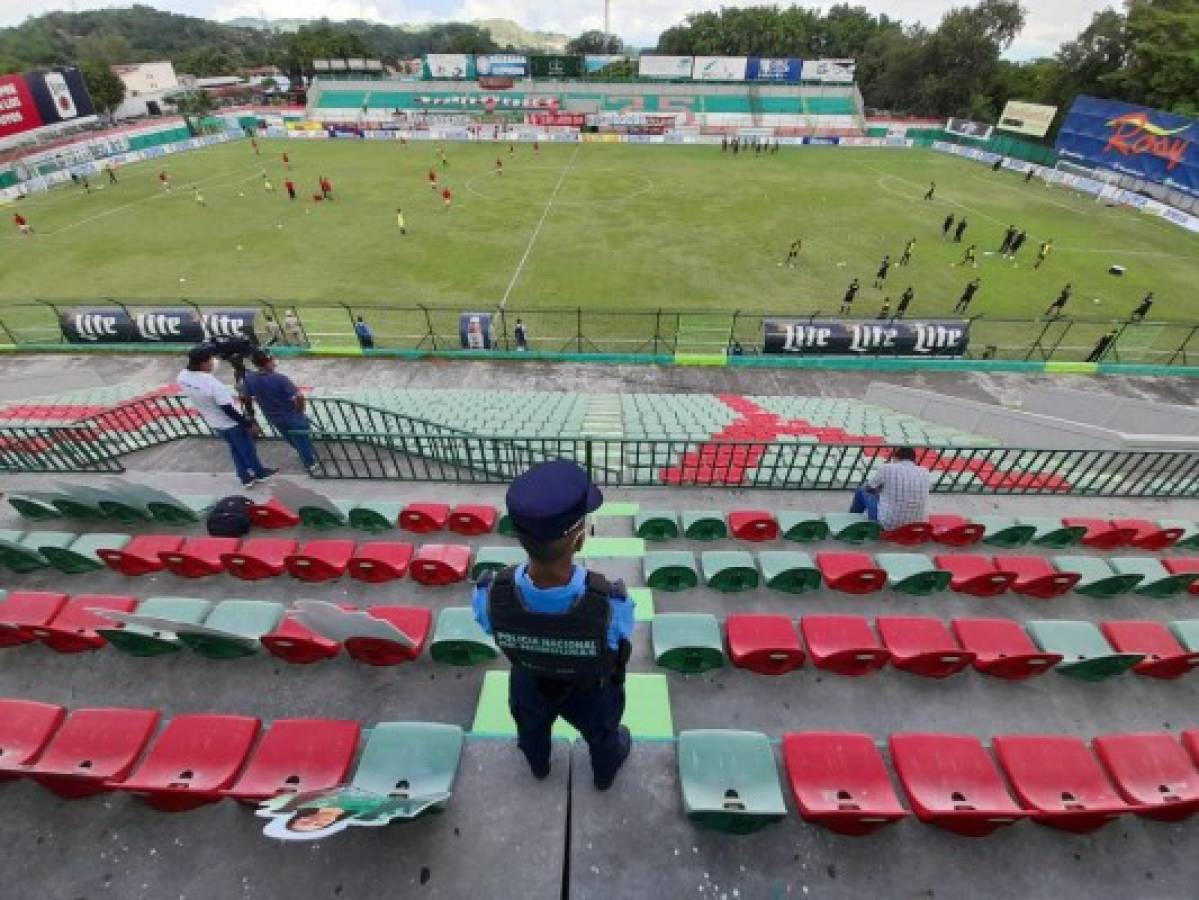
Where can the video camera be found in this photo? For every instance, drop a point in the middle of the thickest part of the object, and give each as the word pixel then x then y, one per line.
pixel 234 351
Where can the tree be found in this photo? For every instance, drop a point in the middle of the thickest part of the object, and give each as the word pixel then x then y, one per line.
pixel 106 89
pixel 596 43
pixel 1162 67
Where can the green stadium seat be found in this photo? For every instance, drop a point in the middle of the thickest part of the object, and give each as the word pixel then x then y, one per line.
pixel 1156 580
pixel 656 525
pixel 18 554
pixel 322 516
pixel 670 570
pixel 1086 654
pixel 375 517
pixel 852 528
pixel 234 629
pixel 1190 533
pixel 124 508
pixel 704 525
pixel 459 641
pixel 82 555
pixel 182 510
pixel 1099 579
pixel 506 527
pixel 414 763
pixel 1187 632
pixel 139 640
pixel 729 780
pixel 77 503
pixel 729 571
pixel 789 571
pixel 33 507
pixel 1001 531
pixel 687 642
pixel 802 527
pixel 912 573
pixel 492 559
pixel 1052 532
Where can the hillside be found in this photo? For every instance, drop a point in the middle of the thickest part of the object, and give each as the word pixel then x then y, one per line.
pixel 504 32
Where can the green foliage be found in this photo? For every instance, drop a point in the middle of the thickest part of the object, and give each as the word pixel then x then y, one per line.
pixel 595 42
pixel 106 89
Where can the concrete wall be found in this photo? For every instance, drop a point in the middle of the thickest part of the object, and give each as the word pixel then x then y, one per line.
pixel 1018 428
pixel 1124 414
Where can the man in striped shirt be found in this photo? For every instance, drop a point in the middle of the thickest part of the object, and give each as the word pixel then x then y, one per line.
pixel 896 493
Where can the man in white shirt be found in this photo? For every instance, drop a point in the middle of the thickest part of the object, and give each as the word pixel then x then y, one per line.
pixel 215 403
pixel 896 493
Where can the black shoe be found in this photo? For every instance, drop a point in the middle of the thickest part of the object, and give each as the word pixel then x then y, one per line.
pixel 267 473
pixel 626 746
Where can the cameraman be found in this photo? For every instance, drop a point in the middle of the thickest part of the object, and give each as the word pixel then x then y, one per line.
pixel 282 404
pixel 214 402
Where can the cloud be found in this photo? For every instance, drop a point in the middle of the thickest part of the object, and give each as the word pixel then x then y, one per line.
pixel 298 9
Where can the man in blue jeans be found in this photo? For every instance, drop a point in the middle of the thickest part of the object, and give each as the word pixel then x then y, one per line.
pixel 214 401
pixel 896 493
pixel 282 404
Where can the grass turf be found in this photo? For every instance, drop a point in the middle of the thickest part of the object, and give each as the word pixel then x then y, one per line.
pixel 609 228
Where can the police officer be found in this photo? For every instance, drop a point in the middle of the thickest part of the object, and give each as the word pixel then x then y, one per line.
pixel 566 630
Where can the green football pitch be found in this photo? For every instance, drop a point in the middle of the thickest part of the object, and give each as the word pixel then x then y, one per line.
pixel 608 228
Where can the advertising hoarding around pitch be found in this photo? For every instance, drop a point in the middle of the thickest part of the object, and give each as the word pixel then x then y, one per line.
pixel 556 66
pixel 511 65
pixel 719 68
pixel 449 65
pixel 42 97
pixel 968 129
pixel 1032 119
pixel 665 66
pixel 1133 140
pixel 17 110
pixel 837 337
pixel 829 71
pixel 178 325
pixel 785 70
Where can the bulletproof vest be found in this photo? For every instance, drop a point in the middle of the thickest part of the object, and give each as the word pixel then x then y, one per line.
pixel 570 647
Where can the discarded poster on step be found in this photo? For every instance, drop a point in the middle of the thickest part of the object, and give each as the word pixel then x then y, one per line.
pixel 315 815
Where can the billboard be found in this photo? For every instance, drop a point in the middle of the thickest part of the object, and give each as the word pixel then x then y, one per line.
pixel 817 337
pixel 449 65
pixel 965 128
pixel 829 71
pixel 1133 140
pixel 595 63
pixel 664 66
pixel 556 66
pixel 179 325
pixel 789 70
pixel 1027 118
pixel 511 65
pixel 17 110
pixel 719 68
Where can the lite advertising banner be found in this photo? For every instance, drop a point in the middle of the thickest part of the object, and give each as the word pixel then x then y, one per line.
pixel 1032 119
pixel 512 65
pixel 719 68
pixel 449 65
pixel 787 70
pixel 556 66
pixel 17 110
pixel 113 325
pixel 817 337
pixel 829 71
pixel 1133 140
pixel 664 66
pixel 965 128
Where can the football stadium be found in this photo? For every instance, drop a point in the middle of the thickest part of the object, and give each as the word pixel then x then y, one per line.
pixel 530 475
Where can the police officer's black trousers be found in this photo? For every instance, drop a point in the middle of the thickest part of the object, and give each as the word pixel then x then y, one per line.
pixel 595 712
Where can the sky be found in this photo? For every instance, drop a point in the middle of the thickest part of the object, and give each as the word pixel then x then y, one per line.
pixel 637 21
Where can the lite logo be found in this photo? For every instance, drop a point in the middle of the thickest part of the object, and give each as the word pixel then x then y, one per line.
pixel 95 326
pixel 158 326
pixel 222 325
pixel 928 338
pixel 1134 134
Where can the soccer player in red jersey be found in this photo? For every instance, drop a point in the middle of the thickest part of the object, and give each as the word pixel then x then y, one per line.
pixel 447 198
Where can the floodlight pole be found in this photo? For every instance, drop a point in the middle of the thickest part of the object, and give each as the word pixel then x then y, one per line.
pixel 607 17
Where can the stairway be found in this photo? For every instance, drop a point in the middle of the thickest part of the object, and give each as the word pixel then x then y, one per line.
pixel 703 339
pixel 604 419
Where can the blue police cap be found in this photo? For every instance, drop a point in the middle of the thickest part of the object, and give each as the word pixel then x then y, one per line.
pixel 549 499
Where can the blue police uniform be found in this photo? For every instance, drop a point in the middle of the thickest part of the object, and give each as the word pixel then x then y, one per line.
pixel 568 644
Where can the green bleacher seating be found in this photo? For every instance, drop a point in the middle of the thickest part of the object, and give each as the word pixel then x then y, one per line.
pixel 243 621
pixel 729 780
pixel 1086 654
pixel 912 573
pixel 183 511
pixel 1005 532
pixel 137 640
pixel 459 641
pixel 802 527
pixel 34 508
pixel 670 570
pixel 1190 533
pixel 492 559
pixel 1052 532
pixel 375 517
pixel 1099 579
pixel 789 571
pixel 1155 580
pixel 729 571
pixel 687 642
pixel 705 525
pixel 415 762
pixel 18 551
pixel 852 528
pixel 656 525
pixel 1187 632
pixel 80 556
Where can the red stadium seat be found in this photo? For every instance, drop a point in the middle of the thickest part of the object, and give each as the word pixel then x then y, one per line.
pixel 753 525
pixel 298 644
pixel 1164 656
pixel 142 555
pixel 93 746
pixel 423 518
pixel 909 535
pixel 320 560
pixel 852 573
pixel 953 783
pixel 25 729
pixel 1150 535
pixel 73 630
pixel 194 759
pixel 1102 534
pixel 956 531
pixel 298 755
pixel 840 781
pixel 922 646
pixel 259 558
pixel 1037 577
pixel 473 519
pixel 1152 772
pixel 274 514
pixel 843 644
pixel 975 574
pixel 768 645
pixel 199 557
pixel 440 564
pixel 412 620
pixel 1003 649
pixel 1059 780
pixel 1184 566
pixel 376 562
pixel 22 611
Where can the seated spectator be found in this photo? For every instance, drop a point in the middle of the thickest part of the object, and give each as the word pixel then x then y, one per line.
pixel 896 493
